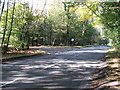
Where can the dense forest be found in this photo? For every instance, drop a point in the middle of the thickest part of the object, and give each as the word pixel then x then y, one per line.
pixel 65 23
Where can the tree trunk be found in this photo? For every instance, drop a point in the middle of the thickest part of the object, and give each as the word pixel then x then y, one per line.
pixel 50 36
pixel 2 9
pixel 28 39
pixel 44 7
pixel 11 26
pixel 66 8
pixel 5 28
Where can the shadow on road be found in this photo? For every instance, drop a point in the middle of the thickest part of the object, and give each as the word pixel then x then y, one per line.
pixel 69 69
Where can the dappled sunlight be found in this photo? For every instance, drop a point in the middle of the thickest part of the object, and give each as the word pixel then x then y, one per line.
pixel 53 87
pixel 75 34
pixel 80 52
pixel 113 83
pixel 113 63
pixel 60 69
pixel 65 69
pixel 55 70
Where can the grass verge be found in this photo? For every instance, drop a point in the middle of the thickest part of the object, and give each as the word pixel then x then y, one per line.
pixel 11 55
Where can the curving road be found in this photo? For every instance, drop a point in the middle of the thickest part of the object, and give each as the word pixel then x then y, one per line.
pixel 65 68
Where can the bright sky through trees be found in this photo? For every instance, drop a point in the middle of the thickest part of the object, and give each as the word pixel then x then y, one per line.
pixel 39 4
pixel 55 21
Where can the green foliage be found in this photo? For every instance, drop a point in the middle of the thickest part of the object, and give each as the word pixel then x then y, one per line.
pixel 20 29
pixel 62 23
pixel 111 22
pixel 60 26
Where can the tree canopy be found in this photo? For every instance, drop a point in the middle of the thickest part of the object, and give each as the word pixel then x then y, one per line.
pixel 66 23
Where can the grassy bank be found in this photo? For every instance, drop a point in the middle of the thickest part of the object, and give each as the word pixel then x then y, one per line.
pixel 11 55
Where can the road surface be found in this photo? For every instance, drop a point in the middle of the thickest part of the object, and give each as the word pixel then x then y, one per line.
pixel 65 68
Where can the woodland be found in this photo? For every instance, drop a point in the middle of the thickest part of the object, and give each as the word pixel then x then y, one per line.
pixel 66 23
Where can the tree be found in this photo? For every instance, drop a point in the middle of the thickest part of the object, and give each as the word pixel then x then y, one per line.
pixel 15 26
pixel 63 22
pixel 23 20
pixel 108 12
pixel 52 28
pixel 2 9
pixel 11 27
pixel 4 32
pixel 67 6
pixel 111 22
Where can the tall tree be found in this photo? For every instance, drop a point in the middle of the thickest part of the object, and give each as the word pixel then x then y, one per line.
pixel 67 6
pixel 2 9
pixel 44 7
pixel 6 19
pixel 11 27
pixel 111 22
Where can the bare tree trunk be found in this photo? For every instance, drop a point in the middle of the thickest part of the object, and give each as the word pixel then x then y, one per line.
pixel 66 8
pixel 119 30
pixel 50 36
pixel 32 5
pixel 11 26
pixel 27 39
pixel 5 28
pixel 44 7
pixel 0 3
pixel 2 9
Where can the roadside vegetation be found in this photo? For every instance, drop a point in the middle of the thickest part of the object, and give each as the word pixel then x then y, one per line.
pixel 12 55
pixel 108 76
pixel 65 24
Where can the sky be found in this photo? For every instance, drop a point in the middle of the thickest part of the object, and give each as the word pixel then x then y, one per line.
pixel 36 3
pixel 39 4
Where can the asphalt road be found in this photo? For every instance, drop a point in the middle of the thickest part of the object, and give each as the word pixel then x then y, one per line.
pixel 65 68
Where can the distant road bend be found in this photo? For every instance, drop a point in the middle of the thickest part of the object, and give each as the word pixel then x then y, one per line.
pixel 65 68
